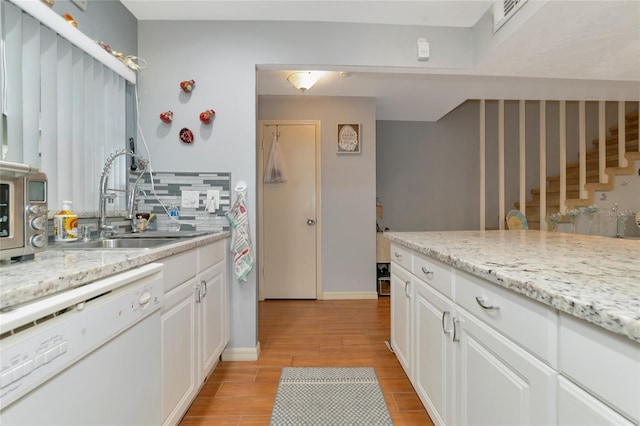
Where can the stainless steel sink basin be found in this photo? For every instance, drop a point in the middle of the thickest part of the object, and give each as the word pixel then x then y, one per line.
pixel 118 243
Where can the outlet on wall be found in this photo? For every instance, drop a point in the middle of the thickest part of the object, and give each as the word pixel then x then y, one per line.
pixel 213 200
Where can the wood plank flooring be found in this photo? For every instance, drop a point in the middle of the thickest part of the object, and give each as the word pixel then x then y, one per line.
pixel 301 333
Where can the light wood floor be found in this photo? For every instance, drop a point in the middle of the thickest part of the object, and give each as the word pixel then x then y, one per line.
pixel 303 333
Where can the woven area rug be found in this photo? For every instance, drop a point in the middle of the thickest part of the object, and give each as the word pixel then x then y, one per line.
pixel 329 397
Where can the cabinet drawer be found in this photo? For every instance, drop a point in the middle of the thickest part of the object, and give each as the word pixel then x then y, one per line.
pixel 179 268
pixel 579 408
pixel 603 363
pixel 527 322
pixel 210 254
pixel 402 256
pixel 435 273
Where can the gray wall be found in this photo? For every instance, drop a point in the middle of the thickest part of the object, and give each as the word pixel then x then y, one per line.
pixel 104 20
pixel 427 172
pixel 348 186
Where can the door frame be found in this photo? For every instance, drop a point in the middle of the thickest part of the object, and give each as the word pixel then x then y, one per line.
pixel 318 190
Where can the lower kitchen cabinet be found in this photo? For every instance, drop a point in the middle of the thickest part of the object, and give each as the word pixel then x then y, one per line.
pixel 179 354
pixel 498 382
pixel 401 322
pixel 578 408
pixel 477 353
pixel 213 313
pixel 434 364
pixel 195 325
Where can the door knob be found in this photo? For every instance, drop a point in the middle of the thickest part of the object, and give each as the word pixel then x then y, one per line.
pixel 311 221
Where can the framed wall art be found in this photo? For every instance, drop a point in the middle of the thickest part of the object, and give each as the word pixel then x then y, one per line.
pixel 349 139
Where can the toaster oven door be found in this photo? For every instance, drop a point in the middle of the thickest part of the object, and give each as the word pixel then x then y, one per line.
pixel 11 214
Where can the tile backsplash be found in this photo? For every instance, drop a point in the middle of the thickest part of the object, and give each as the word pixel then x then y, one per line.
pixel 167 189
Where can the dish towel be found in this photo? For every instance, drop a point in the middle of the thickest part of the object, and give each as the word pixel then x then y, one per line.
pixel 241 246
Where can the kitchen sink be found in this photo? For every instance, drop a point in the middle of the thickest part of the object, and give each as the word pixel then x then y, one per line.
pixel 117 243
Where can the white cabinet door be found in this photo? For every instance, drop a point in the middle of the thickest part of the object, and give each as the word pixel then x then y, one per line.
pixel 401 317
pixel 577 408
pixel 498 382
pixel 434 361
pixel 212 317
pixel 178 356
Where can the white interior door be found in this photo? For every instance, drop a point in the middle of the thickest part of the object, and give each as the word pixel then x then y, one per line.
pixel 289 223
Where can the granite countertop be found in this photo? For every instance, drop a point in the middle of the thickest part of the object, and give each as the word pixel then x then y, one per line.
pixel 593 278
pixel 55 270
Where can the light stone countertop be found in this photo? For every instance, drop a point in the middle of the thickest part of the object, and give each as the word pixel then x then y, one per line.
pixel 55 270
pixel 593 278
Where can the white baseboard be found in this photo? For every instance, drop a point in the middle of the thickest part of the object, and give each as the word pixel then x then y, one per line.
pixel 345 295
pixel 241 354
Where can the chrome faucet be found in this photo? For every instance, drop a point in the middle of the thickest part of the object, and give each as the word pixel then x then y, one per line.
pixel 104 228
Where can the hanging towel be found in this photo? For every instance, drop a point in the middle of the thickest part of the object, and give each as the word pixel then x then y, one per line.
pixel 241 247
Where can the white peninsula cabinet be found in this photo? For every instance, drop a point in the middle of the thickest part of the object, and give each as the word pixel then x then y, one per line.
pixel 477 353
pixel 195 325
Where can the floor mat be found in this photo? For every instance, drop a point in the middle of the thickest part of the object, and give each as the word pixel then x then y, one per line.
pixel 329 396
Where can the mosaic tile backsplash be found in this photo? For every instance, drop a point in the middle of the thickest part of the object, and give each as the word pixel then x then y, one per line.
pixel 167 189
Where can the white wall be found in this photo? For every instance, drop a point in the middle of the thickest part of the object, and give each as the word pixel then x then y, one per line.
pixel 348 186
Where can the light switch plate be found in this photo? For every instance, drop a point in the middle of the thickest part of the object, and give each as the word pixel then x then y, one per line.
pixel 190 199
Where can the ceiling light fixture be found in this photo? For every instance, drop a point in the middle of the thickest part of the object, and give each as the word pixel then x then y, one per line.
pixel 302 80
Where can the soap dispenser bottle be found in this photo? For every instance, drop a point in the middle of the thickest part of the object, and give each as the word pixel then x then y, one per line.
pixel 65 224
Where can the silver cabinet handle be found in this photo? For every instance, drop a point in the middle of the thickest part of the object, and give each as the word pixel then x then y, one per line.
pixel 406 292
pixel 427 272
pixel 456 338
pixel 483 304
pixel 204 288
pixel 444 315
pixel 398 255
pixel 311 221
pixel 198 294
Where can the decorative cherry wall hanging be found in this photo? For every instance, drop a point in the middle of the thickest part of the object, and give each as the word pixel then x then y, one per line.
pixel 166 116
pixel 186 136
pixel 207 116
pixel 188 85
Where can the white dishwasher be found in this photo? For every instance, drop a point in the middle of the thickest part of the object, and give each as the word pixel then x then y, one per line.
pixel 87 356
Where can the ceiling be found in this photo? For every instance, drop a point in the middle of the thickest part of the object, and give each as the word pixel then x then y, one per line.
pixel 590 50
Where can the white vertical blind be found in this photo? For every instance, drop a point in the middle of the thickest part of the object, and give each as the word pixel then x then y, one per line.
pixel 66 104
pixel 30 90
pixel 48 109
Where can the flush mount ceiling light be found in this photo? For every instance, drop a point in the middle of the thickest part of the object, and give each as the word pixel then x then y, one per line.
pixel 302 80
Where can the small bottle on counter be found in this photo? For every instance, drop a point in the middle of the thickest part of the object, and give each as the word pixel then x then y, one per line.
pixel 65 224
pixel 174 218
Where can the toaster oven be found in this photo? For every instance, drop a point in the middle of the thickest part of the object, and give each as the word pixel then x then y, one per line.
pixel 23 211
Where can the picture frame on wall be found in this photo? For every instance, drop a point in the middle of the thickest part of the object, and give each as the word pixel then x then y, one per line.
pixel 349 139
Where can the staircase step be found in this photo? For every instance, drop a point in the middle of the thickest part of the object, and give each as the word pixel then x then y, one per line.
pixel 633 115
pixel 573 180
pixel 631 133
pixel 630 145
pixel 630 125
pixel 553 195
